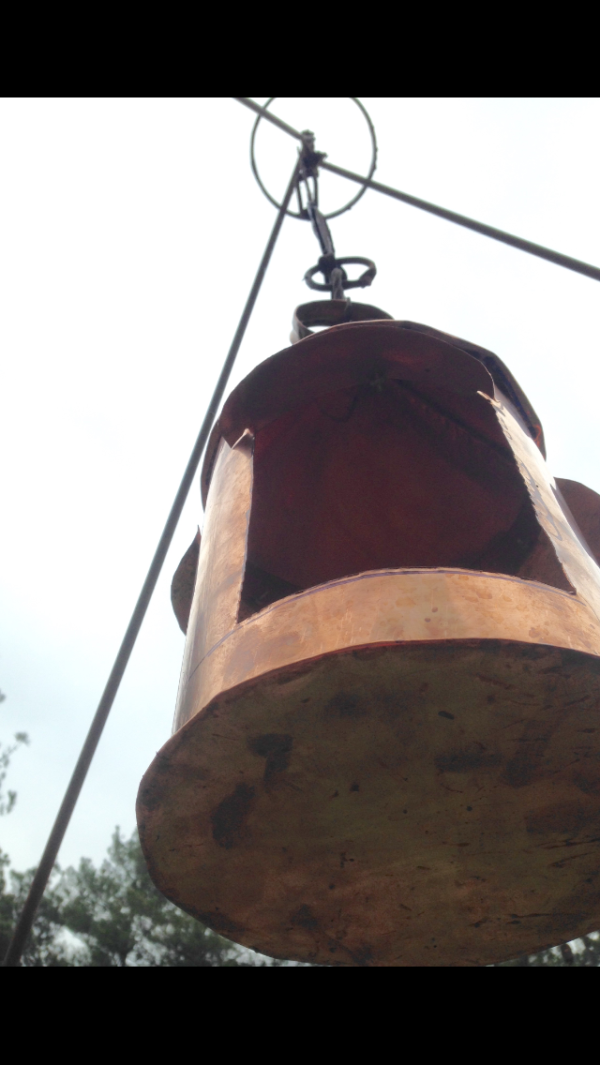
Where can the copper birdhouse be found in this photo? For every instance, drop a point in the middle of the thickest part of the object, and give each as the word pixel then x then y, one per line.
pixel 386 747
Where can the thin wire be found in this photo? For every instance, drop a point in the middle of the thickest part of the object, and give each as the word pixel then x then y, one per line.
pixel 272 118
pixel 55 839
pixel 528 246
pixel 469 223
pixel 308 145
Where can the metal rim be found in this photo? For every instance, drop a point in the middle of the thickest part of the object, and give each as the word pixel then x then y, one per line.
pixel 355 199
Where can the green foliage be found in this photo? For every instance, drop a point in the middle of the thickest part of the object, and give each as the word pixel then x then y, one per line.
pixel 8 801
pixel 584 951
pixel 45 946
pixel 113 916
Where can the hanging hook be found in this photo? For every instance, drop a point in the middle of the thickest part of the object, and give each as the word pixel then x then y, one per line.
pixel 336 278
pixel 331 268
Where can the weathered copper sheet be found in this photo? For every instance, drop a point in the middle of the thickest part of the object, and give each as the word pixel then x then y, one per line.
pixel 387 745
pixel 355 354
pixel 430 803
pixel 572 552
pixel 581 503
pixel 379 608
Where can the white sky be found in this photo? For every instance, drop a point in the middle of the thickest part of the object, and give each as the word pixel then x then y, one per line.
pixel 130 232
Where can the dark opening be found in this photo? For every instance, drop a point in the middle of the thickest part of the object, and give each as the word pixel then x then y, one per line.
pixel 386 475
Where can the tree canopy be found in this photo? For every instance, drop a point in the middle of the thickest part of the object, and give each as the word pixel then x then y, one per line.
pixel 113 916
pixel 7 801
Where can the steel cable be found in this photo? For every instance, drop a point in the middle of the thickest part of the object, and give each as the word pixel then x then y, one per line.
pixel 528 246
pixel 469 223
pixel 40 880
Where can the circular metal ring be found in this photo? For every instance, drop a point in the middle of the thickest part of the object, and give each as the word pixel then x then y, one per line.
pixel 363 281
pixel 355 199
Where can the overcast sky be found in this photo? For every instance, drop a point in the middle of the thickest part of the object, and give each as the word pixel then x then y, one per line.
pixel 130 233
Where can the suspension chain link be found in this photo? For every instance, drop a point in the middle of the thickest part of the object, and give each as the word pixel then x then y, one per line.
pixel 332 268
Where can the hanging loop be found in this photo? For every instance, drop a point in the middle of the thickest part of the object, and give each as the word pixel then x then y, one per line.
pixel 322 314
pixel 311 160
pixel 335 277
pixel 327 265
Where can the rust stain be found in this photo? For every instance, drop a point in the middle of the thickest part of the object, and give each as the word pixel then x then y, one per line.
pixel 524 766
pixel 229 817
pixel 566 818
pixel 303 918
pixel 345 704
pixel 463 761
pixel 588 783
pixel 363 956
pixel 563 861
pixel 494 680
pixel 276 747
